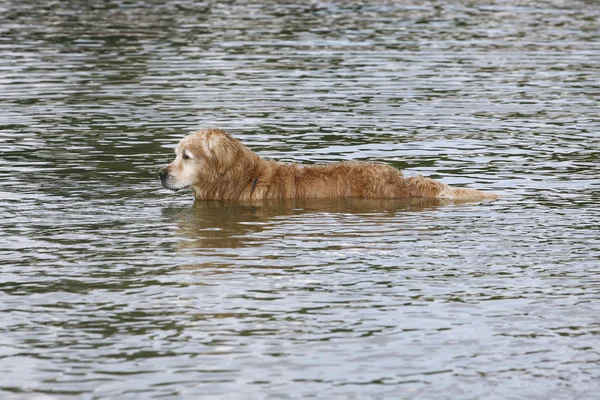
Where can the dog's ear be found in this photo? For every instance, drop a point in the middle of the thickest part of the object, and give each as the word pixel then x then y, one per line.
pixel 210 145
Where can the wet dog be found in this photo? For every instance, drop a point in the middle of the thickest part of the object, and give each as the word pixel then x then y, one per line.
pixel 217 166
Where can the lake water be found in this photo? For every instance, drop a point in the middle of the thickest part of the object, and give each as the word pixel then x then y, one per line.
pixel 114 288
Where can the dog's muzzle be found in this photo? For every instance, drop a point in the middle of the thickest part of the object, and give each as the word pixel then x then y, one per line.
pixel 170 181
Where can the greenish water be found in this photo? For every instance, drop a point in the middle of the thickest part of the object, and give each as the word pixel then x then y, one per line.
pixel 112 287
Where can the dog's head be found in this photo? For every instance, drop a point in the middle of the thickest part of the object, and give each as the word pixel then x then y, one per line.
pixel 199 157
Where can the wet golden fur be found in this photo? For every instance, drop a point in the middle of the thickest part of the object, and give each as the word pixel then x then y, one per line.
pixel 218 167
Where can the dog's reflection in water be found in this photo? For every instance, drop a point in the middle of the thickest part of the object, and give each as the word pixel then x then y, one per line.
pixel 232 224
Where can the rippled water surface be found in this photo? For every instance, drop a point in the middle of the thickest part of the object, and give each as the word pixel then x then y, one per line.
pixel 114 288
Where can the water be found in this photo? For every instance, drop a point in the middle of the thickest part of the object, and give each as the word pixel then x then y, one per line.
pixel 112 287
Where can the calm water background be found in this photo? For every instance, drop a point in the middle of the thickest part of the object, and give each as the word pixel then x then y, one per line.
pixel 112 287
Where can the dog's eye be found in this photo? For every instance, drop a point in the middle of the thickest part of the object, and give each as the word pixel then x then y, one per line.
pixel 185 156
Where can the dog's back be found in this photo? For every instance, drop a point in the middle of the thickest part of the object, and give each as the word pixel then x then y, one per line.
pixel 358 180
pixel 350 179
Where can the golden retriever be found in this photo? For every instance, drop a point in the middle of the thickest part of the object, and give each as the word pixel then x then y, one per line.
pixel 217 166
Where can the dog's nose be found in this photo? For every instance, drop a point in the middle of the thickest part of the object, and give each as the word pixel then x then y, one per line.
pixel 162 173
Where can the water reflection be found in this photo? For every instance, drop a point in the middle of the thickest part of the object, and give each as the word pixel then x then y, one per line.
pixel 222 224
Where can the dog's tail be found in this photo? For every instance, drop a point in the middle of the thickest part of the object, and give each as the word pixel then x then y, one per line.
pixel 466 194
pixel 426 187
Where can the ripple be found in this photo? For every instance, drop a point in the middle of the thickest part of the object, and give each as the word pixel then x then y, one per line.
pixel 113 287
